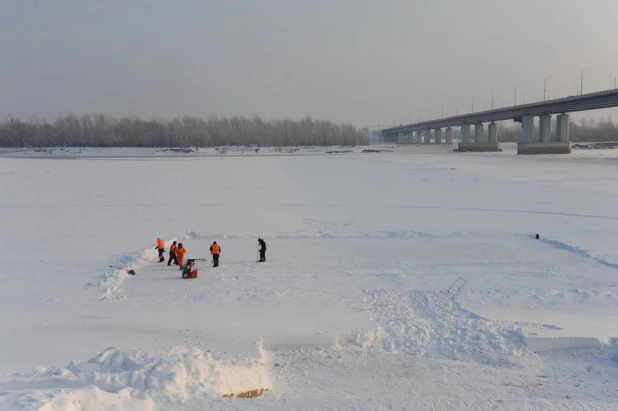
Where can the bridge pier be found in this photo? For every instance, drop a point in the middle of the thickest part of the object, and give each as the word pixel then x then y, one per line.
pixel 544 145
pixel 427 136
pixel 437 136
pixel 401 138
pixel 449 136
pixel 479 143
pixel 562 129
pixel 492 133
pixel 545 128
pixel 465 133
pixel 526 129
pixel 478 133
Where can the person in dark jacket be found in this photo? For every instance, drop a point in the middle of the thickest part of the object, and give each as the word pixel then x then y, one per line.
pixel 215 250
pixel 173 255
pixel 262 250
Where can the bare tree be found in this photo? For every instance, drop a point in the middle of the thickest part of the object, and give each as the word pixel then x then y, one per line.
pixel 106 131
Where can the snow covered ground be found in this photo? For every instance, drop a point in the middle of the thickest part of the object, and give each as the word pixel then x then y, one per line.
pixel 347 311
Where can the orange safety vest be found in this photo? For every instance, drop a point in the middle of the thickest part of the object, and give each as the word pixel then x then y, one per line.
pixel 180 254
pixel 160 243
pixel 173 249
pixel 215 249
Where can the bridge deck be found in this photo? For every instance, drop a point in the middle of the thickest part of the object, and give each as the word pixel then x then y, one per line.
pixel 591 101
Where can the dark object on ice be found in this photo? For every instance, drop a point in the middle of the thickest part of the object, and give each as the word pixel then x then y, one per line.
pixel 376 151
pixel 537 236
pixel 176 150
pixel 132 272
pixel 262 250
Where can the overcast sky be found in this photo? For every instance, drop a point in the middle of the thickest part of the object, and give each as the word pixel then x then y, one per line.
pixel 367 62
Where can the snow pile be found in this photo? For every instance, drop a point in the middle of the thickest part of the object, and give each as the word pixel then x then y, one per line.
pixel 111 283
pixel 430 324
pixel 140 378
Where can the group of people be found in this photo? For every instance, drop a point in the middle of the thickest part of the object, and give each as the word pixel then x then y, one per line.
pixel 177 252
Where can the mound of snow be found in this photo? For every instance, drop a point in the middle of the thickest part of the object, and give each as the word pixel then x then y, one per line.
pixel 110 284
pixel 430 324
pixel 137 379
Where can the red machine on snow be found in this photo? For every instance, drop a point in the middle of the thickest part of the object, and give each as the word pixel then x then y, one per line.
pixel 187 269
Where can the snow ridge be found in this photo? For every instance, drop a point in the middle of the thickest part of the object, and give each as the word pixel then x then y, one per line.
pixel 429 324
pixel 175 376
pixel 579 251
pixel 111 283
pixel 318 229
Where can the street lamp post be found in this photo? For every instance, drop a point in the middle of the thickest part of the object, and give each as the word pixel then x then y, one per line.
pixel 614 81
pixel 581 85
pixel 516 85
pixel 492 98
pixel 473 104
pixel 576 88
pixel 544 86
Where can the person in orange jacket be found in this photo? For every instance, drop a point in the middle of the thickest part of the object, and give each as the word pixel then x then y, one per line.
pixel 215 250
pixel 161 247
pixel 180 255
pixel 172 254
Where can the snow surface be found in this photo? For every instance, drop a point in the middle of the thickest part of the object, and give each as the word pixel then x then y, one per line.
pixel 347 312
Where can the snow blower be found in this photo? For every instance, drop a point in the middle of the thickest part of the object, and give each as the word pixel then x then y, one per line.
pixel 187 269
pixel 132 272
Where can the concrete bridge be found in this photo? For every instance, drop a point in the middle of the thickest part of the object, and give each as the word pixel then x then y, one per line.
pixel 543 143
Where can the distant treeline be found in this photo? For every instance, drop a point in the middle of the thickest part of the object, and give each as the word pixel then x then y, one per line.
pixel 100 130
pixel 603 129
